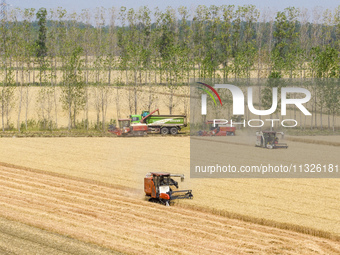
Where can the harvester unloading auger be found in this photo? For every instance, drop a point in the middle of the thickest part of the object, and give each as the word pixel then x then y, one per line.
pixel 157 187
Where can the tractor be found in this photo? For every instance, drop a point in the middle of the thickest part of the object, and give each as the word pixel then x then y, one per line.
pixel 269 140
pixel 159 187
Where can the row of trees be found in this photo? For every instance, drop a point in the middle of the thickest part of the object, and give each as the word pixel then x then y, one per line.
pixel 147 47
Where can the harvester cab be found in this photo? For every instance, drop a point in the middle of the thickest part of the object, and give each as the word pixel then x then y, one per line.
pixel 269 140
pixel 145 113
pixel 141 118
pixel 124 127
pixel 124 123
pixel 158 188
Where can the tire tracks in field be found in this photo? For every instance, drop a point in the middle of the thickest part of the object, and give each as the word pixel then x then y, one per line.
pixel 312 141
pixel 18 238
pixel 115 218
pixel 62 208
pixel 221 141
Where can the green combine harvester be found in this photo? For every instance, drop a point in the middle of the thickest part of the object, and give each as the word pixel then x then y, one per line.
pixel 157 123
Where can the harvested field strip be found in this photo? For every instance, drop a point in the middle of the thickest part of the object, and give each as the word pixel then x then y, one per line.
pixel 141 217
pixel 77 210
pixel 257 220
pixel 115 218
pixel 18 238
pixel 309 203
pixel 265 222
pixel 314 141
pixel 218 140
pixel 250 140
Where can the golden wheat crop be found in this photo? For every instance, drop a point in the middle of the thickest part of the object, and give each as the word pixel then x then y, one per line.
pixel 116 219
pixel 309 203
pixel 121 103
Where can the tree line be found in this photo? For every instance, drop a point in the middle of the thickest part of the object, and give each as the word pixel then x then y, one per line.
pixel 144 47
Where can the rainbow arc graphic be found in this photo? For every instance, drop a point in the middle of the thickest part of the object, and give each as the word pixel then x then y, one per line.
pixel 209 93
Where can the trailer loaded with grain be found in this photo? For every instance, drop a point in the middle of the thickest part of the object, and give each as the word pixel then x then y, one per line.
pixel 149 122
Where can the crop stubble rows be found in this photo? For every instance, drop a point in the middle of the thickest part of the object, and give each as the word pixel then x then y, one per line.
pixel 310 203
pixel 114 218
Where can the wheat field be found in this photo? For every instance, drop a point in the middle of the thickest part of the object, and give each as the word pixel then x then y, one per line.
pixel 307 205
pixel 44 212
pixel 121 103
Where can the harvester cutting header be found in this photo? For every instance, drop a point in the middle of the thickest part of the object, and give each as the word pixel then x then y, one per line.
pixel 140 125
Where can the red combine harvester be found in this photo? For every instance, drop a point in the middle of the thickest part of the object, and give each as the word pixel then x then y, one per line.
pixel 220 129
pixel 128 129
pixel 157 187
